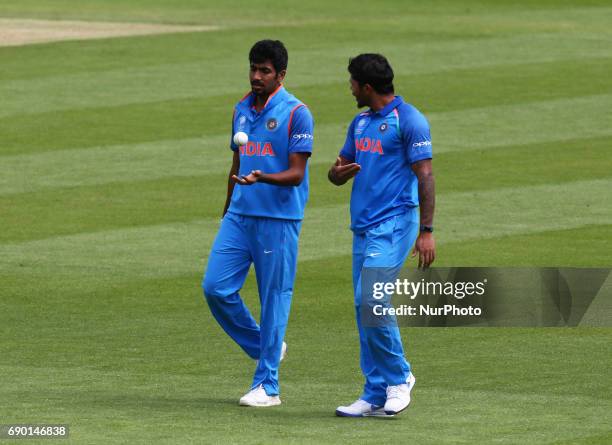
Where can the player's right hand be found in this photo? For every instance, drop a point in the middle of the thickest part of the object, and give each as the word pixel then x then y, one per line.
pixel 340 173
pixel 249 179
pixel 425 246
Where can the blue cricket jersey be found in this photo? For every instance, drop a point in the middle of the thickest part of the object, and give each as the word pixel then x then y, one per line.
pixel 284 126
pixel 385 143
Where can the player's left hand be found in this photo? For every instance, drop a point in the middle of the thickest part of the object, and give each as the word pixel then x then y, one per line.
pixel 426 247
pixel 249 179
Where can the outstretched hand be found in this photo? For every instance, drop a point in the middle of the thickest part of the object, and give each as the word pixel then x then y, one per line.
pixel 339 173
pixel 249 179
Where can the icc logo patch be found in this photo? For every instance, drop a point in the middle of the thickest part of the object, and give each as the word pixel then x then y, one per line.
pixel 241 122
pixel 272 124
pixel 360 126
pixel 383 127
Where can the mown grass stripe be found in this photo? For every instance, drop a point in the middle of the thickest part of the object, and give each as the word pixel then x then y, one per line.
pixel 205 79
pixel 142 198
pixel 463 131
pixel 172 249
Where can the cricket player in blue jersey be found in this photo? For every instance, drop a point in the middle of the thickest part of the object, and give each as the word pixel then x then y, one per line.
pixel 388 152
pixel 266 194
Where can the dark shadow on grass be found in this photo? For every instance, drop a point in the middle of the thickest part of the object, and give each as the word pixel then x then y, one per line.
pixel 205 404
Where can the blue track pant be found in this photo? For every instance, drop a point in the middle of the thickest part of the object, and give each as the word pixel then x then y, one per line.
pixel 382 355
pixel 272 246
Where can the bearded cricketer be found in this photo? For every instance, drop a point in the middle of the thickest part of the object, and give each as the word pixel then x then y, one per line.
pixel 388 153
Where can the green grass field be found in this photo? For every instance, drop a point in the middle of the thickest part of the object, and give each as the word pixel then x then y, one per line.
pixel 113 158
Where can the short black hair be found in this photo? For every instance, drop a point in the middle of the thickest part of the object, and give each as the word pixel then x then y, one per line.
pixel 373 69
pixel 272 50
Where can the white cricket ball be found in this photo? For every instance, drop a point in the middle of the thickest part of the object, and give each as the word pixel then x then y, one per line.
pixel 241 138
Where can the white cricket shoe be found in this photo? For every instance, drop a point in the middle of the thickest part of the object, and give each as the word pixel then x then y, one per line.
pixel 360 408
pixel 398 396
pixel 258 397
pixel 283 353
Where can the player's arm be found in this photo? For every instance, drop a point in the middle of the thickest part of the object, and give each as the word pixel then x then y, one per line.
pixel 342 170
pixel 425 244
pixel 417 138
pixel 293 176
pixel 301 129
pixel 230 183
pixel 345 167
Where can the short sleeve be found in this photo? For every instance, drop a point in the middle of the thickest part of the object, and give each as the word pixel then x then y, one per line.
pixel 416 137
pixel 348 150
pixel 301 130
pixel 233 146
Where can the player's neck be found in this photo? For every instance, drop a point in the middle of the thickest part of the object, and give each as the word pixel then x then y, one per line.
pixel 379 102
pixel 260 101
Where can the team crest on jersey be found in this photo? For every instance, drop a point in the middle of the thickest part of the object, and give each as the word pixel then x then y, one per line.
pixel 271 124
pixel 383 127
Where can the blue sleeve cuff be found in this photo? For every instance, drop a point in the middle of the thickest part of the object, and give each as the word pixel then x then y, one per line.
pixel 346 155
pixel 421 157
pixel 301 150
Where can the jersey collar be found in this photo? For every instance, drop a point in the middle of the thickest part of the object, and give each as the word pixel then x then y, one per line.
pixel 246 104
pixel 389 107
